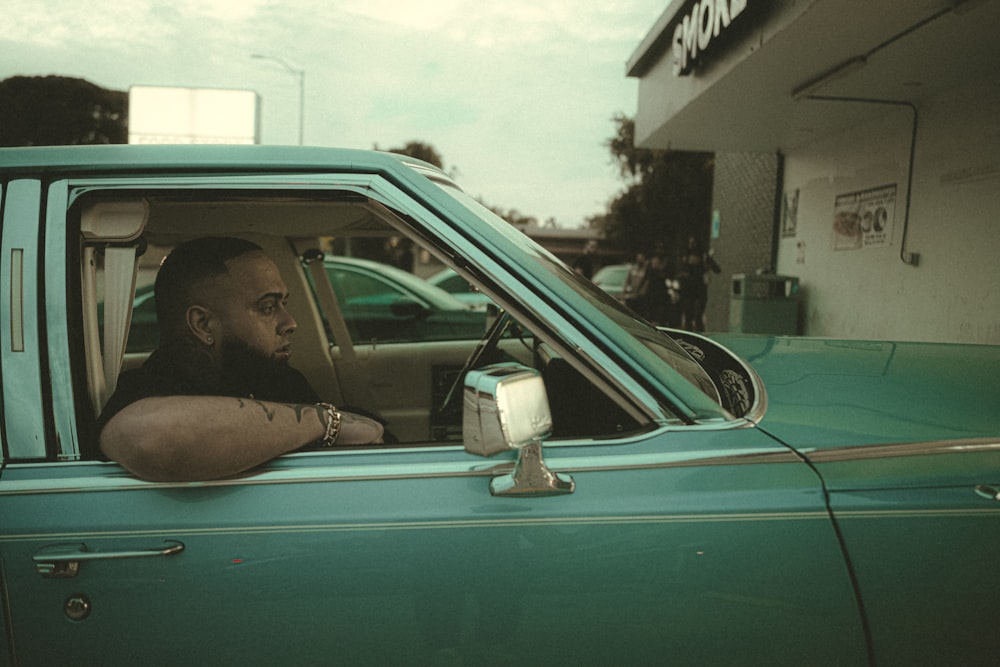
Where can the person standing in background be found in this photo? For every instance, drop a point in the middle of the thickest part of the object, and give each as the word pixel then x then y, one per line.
pixel 399 253
pixel 662 297
pixel 694 266
pixel 586 264
pixel 636 285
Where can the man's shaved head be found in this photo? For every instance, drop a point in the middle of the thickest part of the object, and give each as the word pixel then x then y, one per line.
pixel 186 272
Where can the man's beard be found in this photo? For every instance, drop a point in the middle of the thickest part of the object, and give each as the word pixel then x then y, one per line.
pixel 246 370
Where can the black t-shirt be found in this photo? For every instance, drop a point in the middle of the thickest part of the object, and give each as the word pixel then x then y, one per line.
pixel 181 369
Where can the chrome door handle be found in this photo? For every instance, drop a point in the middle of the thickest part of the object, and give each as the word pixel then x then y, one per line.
pixel 63 560
pixel 987 492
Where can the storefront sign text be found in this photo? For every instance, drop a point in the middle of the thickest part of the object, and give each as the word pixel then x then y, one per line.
pixel 699 27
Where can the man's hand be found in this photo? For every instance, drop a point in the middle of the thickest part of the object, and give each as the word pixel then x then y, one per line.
pixel 358 430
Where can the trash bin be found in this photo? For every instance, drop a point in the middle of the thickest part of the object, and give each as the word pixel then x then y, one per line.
pixel 766 304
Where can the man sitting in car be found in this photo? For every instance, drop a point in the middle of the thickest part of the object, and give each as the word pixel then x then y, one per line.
pixel 218 396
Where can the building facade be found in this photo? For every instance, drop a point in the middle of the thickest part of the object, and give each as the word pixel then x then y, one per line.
pixel 857 151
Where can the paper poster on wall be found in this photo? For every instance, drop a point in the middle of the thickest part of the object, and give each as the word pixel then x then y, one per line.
pixel 864 219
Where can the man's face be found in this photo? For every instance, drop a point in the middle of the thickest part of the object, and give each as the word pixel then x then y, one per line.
pixel 248 305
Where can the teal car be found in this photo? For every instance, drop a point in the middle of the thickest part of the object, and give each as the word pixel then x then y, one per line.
pixel 568 485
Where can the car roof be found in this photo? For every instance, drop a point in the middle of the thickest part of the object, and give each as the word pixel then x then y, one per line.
pixel 230 158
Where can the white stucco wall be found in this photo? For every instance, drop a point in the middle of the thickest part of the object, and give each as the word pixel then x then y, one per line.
pixel 953 294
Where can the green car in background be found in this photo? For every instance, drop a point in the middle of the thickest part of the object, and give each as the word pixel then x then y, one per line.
pixel 612 278
pixel 566 484
pixel 459 288
pixel 390 305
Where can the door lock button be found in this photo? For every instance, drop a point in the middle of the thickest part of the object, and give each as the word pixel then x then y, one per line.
pixel 77 607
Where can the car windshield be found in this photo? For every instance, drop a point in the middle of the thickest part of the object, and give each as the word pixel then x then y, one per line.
pixel 660 356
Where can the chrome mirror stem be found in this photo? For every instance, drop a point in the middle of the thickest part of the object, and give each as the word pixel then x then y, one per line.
pixel 531 477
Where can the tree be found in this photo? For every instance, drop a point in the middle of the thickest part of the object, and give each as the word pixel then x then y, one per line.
pixel 58 110
pixel 667 195
pixel 513 216
pixel 420 151
pixel 427 153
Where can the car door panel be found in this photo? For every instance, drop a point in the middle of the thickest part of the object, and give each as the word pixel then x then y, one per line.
pixel 920 524
pixel 404 557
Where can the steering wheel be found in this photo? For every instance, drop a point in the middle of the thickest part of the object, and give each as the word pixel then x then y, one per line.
pixel 486 345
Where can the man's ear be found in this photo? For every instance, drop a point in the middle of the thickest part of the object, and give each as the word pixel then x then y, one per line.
pixel 199 322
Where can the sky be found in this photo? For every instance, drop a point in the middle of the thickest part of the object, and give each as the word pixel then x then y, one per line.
pixel 517 96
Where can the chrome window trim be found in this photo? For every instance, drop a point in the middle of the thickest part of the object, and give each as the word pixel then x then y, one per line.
pixel 332 471
pixel 116 479
pixel 903 449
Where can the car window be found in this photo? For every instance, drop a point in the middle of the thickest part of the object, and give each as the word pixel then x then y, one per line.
pixel 408 342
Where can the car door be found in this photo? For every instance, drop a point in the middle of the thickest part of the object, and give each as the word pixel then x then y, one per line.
pixel 675 547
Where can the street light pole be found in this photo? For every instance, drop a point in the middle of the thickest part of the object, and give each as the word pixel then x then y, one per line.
pixel 301 74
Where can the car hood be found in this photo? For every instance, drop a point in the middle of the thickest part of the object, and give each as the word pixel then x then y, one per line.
pixel 826 393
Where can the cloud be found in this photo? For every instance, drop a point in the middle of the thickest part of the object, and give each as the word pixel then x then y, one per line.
pixel 432 15
pixel 146 23
pixel 518 95
pixel 218 10
pixel 505 25
pixel 59 22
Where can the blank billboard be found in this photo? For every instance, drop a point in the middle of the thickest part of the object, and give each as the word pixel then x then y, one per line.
pixel 169 115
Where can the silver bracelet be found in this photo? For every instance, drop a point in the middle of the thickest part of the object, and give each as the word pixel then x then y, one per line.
pixel 332 425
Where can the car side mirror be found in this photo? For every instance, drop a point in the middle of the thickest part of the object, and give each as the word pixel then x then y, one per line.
pixel 505 408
